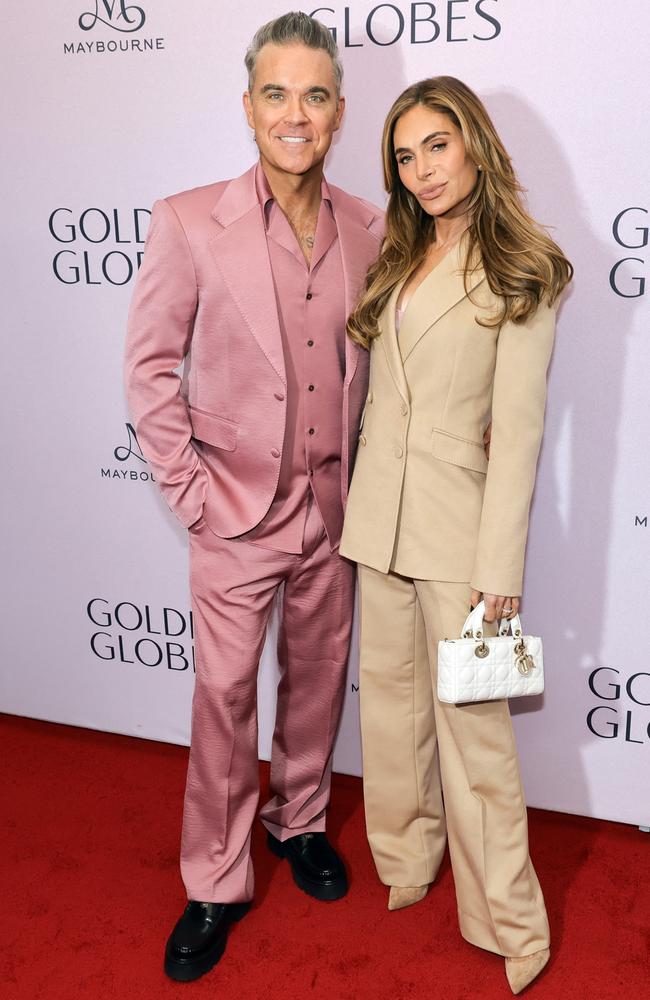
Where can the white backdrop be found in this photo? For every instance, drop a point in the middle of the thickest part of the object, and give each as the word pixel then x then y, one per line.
pixel 113 104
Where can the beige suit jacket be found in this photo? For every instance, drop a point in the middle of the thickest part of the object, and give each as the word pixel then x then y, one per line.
pixel 424 500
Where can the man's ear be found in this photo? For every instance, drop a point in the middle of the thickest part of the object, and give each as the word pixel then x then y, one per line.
pixel 248 108
pixel 340 108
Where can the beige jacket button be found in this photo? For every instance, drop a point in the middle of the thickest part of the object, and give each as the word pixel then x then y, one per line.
pixel 398 451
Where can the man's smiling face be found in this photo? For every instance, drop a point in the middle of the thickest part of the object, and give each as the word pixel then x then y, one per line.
pixel 293 107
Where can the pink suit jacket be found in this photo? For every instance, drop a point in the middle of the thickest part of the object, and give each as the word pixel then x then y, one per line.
pixel 205 294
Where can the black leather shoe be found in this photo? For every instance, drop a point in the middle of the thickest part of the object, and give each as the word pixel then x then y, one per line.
pixel 316 867
pixel 199 938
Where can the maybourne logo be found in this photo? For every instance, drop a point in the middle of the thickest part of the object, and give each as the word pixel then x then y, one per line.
pixel 132 17
pixel 111 18
pixel 129 455
pixel 131 449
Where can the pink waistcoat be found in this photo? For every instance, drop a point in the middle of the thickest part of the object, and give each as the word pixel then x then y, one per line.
pixel 311 311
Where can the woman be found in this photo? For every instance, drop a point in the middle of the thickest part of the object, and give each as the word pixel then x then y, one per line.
pixel 458 315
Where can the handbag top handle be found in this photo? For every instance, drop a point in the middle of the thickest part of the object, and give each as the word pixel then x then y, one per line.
pixel 473 627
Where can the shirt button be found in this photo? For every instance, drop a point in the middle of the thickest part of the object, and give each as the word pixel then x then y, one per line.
pixel 278 395
pixel 398 451
pixel 311 430
pixel 311 387
pixel 275 452
pixel 369 398
pixel 362 439
pixel 405 409
pixel 309 295
pixel 310 343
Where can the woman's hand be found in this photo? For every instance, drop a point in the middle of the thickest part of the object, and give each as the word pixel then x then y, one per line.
pixel 496 607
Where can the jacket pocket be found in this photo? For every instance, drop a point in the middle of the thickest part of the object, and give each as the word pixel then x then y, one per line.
pixel 459 451
pixel 210 429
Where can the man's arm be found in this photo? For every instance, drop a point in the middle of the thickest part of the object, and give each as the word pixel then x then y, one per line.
pixel 160 326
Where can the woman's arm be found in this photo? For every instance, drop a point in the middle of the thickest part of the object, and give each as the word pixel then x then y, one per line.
pixel 518 401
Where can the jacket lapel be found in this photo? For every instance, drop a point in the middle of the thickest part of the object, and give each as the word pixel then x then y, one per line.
pixel 241 255
pixel 435 296
pixel 359 248
pixel 389 341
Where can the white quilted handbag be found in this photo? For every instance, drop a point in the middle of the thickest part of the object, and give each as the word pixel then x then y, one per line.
pixel 484 668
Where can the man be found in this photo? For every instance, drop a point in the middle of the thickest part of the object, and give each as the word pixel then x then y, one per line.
pixel 257 276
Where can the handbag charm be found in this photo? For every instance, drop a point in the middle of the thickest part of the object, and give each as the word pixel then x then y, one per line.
pixel 525 662
pixel 477 667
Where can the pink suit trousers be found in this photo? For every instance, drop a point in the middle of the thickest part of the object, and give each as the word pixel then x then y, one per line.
pixel 234 584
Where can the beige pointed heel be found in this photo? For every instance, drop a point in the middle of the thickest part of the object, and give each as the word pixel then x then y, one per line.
pixel 522 971
pixel 401 896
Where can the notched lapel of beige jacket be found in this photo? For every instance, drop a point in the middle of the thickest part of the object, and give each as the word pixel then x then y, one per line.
pixel 434 297
pixel 388 340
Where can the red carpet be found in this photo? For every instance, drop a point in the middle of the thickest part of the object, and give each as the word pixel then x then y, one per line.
pixel 90 890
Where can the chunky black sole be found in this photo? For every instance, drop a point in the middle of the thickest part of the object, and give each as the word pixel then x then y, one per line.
pixel 327 892
pixel 187 971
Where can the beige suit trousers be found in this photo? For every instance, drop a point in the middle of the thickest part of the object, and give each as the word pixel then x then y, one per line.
pixel 418 751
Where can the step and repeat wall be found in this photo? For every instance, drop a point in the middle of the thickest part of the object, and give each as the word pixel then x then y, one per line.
pixel 111 105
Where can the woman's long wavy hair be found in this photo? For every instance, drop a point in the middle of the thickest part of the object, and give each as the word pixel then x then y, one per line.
pixel 522 264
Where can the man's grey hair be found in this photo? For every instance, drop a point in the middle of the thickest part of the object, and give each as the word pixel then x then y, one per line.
pixel 291 29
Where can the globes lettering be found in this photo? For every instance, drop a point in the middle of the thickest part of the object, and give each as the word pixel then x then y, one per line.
pixel 630 230
pixel 93 228
pixel 419 23
pixel 626 719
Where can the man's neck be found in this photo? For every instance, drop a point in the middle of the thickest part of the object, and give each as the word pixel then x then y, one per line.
pixel 296 194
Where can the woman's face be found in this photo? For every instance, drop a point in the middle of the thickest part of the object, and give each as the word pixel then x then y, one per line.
pixel 433 162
